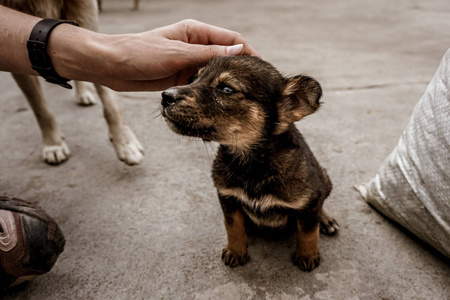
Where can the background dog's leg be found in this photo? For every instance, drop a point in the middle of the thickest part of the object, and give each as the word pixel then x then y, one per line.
pixel 85 13
pixel 55 149
pixel 127 146
pixel 307 255
pixel 84 94
pixel 136 4
pixel 235 253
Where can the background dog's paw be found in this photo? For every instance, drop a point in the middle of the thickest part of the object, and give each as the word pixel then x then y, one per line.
pixel 233 259
pixel 307 264
pixel 86 97
pixel 56 154
pixel 127 146
pixel 328 225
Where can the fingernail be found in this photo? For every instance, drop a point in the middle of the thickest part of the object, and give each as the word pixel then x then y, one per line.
pixel 234 50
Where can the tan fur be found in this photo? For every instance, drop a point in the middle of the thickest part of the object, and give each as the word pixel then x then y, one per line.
pixel 278 221
pixel 236 250
pixel 303 102
pixel 84 12
pixel 242 136
pixel 307 252
pixel 264 203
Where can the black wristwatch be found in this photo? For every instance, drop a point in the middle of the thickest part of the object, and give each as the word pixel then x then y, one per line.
pixel 37 51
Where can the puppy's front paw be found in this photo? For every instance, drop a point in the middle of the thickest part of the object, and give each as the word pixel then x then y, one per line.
pixel 233 259
pixel 56 154
pixel 307 263
pixel 128 148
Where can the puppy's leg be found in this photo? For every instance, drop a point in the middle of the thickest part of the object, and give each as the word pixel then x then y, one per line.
pixel 55 149
pixel 307 255
pixel 136 4
pixel 235 253
pixel 127 146
pixel 328 225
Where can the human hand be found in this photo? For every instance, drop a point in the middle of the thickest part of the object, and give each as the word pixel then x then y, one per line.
pixel 152 60
pixel 169 55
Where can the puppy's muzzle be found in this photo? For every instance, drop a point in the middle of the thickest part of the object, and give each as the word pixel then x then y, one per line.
pixel 170 97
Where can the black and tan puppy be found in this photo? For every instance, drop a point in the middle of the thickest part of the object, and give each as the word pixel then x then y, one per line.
pixel 264 171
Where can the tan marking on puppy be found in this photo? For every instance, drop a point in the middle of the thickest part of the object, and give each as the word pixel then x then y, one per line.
pixel 223 77
pixel 228 78
pixel 235 253
pixel 307 255
pixel 276 221
pixel 299 99
pixel 266 201
pixel 189 99
pixel 200 71
pixel 242 135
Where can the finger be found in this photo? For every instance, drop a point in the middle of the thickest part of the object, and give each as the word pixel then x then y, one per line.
pixel 194 32
pixel 179 78
pixel 205 34
pixel 202 54
pixel 141 85
pixel 193 57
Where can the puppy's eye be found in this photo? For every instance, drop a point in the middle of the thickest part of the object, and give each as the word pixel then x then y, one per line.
pixel 226 89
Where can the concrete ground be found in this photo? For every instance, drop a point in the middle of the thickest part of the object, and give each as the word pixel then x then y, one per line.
pixel 155 231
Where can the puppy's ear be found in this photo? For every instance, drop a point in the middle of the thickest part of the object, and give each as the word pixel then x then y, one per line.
pixel 300 97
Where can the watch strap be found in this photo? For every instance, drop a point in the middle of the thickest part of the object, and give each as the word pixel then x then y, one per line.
pixel 37 51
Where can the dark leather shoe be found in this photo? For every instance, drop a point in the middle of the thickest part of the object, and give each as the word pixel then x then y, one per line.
pixel 30 241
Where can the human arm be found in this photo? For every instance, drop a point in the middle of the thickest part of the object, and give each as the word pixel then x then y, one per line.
pixel 15 28
pixel 152 60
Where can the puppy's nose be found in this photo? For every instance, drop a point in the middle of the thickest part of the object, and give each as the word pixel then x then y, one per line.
pixel 169 97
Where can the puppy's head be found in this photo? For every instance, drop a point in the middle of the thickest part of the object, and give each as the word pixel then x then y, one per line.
pixel 239 101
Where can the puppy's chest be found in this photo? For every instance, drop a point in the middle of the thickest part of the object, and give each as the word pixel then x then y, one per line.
pixel 262 194
pixel 267 210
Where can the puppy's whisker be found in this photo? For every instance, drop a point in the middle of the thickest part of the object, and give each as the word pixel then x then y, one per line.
pixel 206 148
pixel 156 113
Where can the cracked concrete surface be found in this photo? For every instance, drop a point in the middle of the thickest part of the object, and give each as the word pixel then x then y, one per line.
pixel 155 231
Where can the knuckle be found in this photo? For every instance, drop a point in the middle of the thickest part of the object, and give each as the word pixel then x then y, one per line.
pixel 188 23
pixel 191 21
pixel 212 51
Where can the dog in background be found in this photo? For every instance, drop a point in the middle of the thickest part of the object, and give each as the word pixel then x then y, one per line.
pixel 136 4
pixel 56 151
pixel 265 173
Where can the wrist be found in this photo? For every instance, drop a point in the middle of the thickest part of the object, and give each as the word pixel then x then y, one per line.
pixel 37 51
pixel 78 53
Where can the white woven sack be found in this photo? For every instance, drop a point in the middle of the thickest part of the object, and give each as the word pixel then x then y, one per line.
pixel 412 186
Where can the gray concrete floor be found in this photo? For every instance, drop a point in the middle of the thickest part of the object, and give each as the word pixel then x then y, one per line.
pixel 155 231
